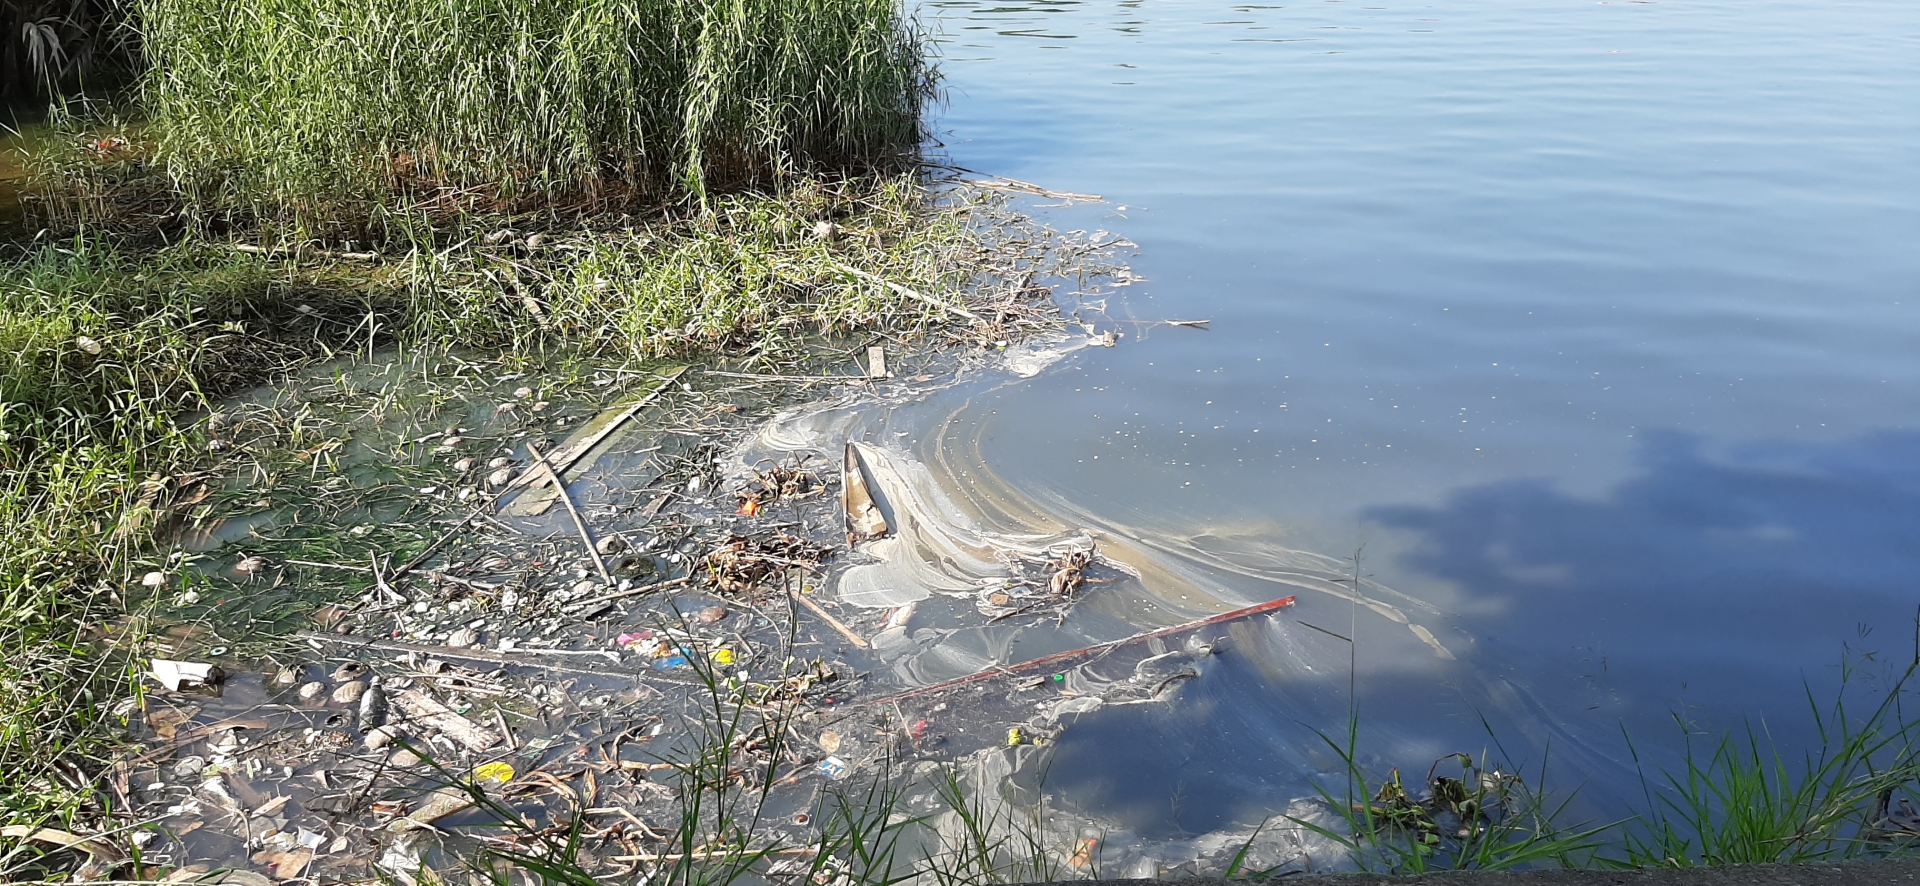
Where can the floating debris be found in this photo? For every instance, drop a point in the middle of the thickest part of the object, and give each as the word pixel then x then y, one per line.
pixel 744 563
pixel 186 676
pixel 864 520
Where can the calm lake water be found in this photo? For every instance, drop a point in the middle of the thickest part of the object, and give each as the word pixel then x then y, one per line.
pixel 1594 327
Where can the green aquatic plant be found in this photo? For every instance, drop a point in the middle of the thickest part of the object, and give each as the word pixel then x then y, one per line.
pixel 1467 814
pixel 1745 801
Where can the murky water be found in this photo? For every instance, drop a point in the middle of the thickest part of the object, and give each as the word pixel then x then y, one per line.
pixel 1591 326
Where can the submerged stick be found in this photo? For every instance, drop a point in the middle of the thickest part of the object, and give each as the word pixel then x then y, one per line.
pixel 837 624
pixel 564 459
pixel 579 523
pixel 1085 651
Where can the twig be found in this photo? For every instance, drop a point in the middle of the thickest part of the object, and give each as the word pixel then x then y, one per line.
pixel 445 537
pixel 566 498
pixel 323 253
pixel 908 292
pixel 837 624
pixel 379 581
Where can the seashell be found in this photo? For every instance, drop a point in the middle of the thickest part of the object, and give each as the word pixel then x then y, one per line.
pixel 463 465
pixel 380 736
pixel 500 477
pixel 349 692
pixel 286 676
pixel 523 392
pixel 711 615
pixel 313 690
pixel 499 461
pixel 612 544
pixel 352 670
pixel 463 638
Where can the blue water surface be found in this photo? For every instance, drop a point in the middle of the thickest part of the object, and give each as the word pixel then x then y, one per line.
pixel 1594 325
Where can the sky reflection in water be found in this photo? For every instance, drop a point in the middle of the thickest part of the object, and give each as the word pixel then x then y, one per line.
pixel 1595 324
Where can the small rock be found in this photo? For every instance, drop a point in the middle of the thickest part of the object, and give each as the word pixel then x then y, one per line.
pixel 710 615
pixel 313 690
pixel 373 708
pixel 612 544
pixel 403 759
pixel 523 392
pixel 349 692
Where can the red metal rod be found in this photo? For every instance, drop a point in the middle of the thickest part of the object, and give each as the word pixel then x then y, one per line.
pixel 1096 649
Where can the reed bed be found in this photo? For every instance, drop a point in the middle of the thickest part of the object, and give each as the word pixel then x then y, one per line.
pixel 330 112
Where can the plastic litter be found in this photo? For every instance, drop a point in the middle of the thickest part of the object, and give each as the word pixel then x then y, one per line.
pixel 186 676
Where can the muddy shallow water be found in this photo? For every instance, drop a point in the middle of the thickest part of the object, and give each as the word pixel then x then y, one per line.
pixel 1582 335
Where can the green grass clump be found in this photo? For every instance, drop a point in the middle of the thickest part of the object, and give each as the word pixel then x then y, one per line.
pixel 1746 802
pixel 101 354
pixel 345 109
pixel 749 277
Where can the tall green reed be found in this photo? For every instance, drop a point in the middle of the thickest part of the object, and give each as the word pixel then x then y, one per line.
pixel 327 111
